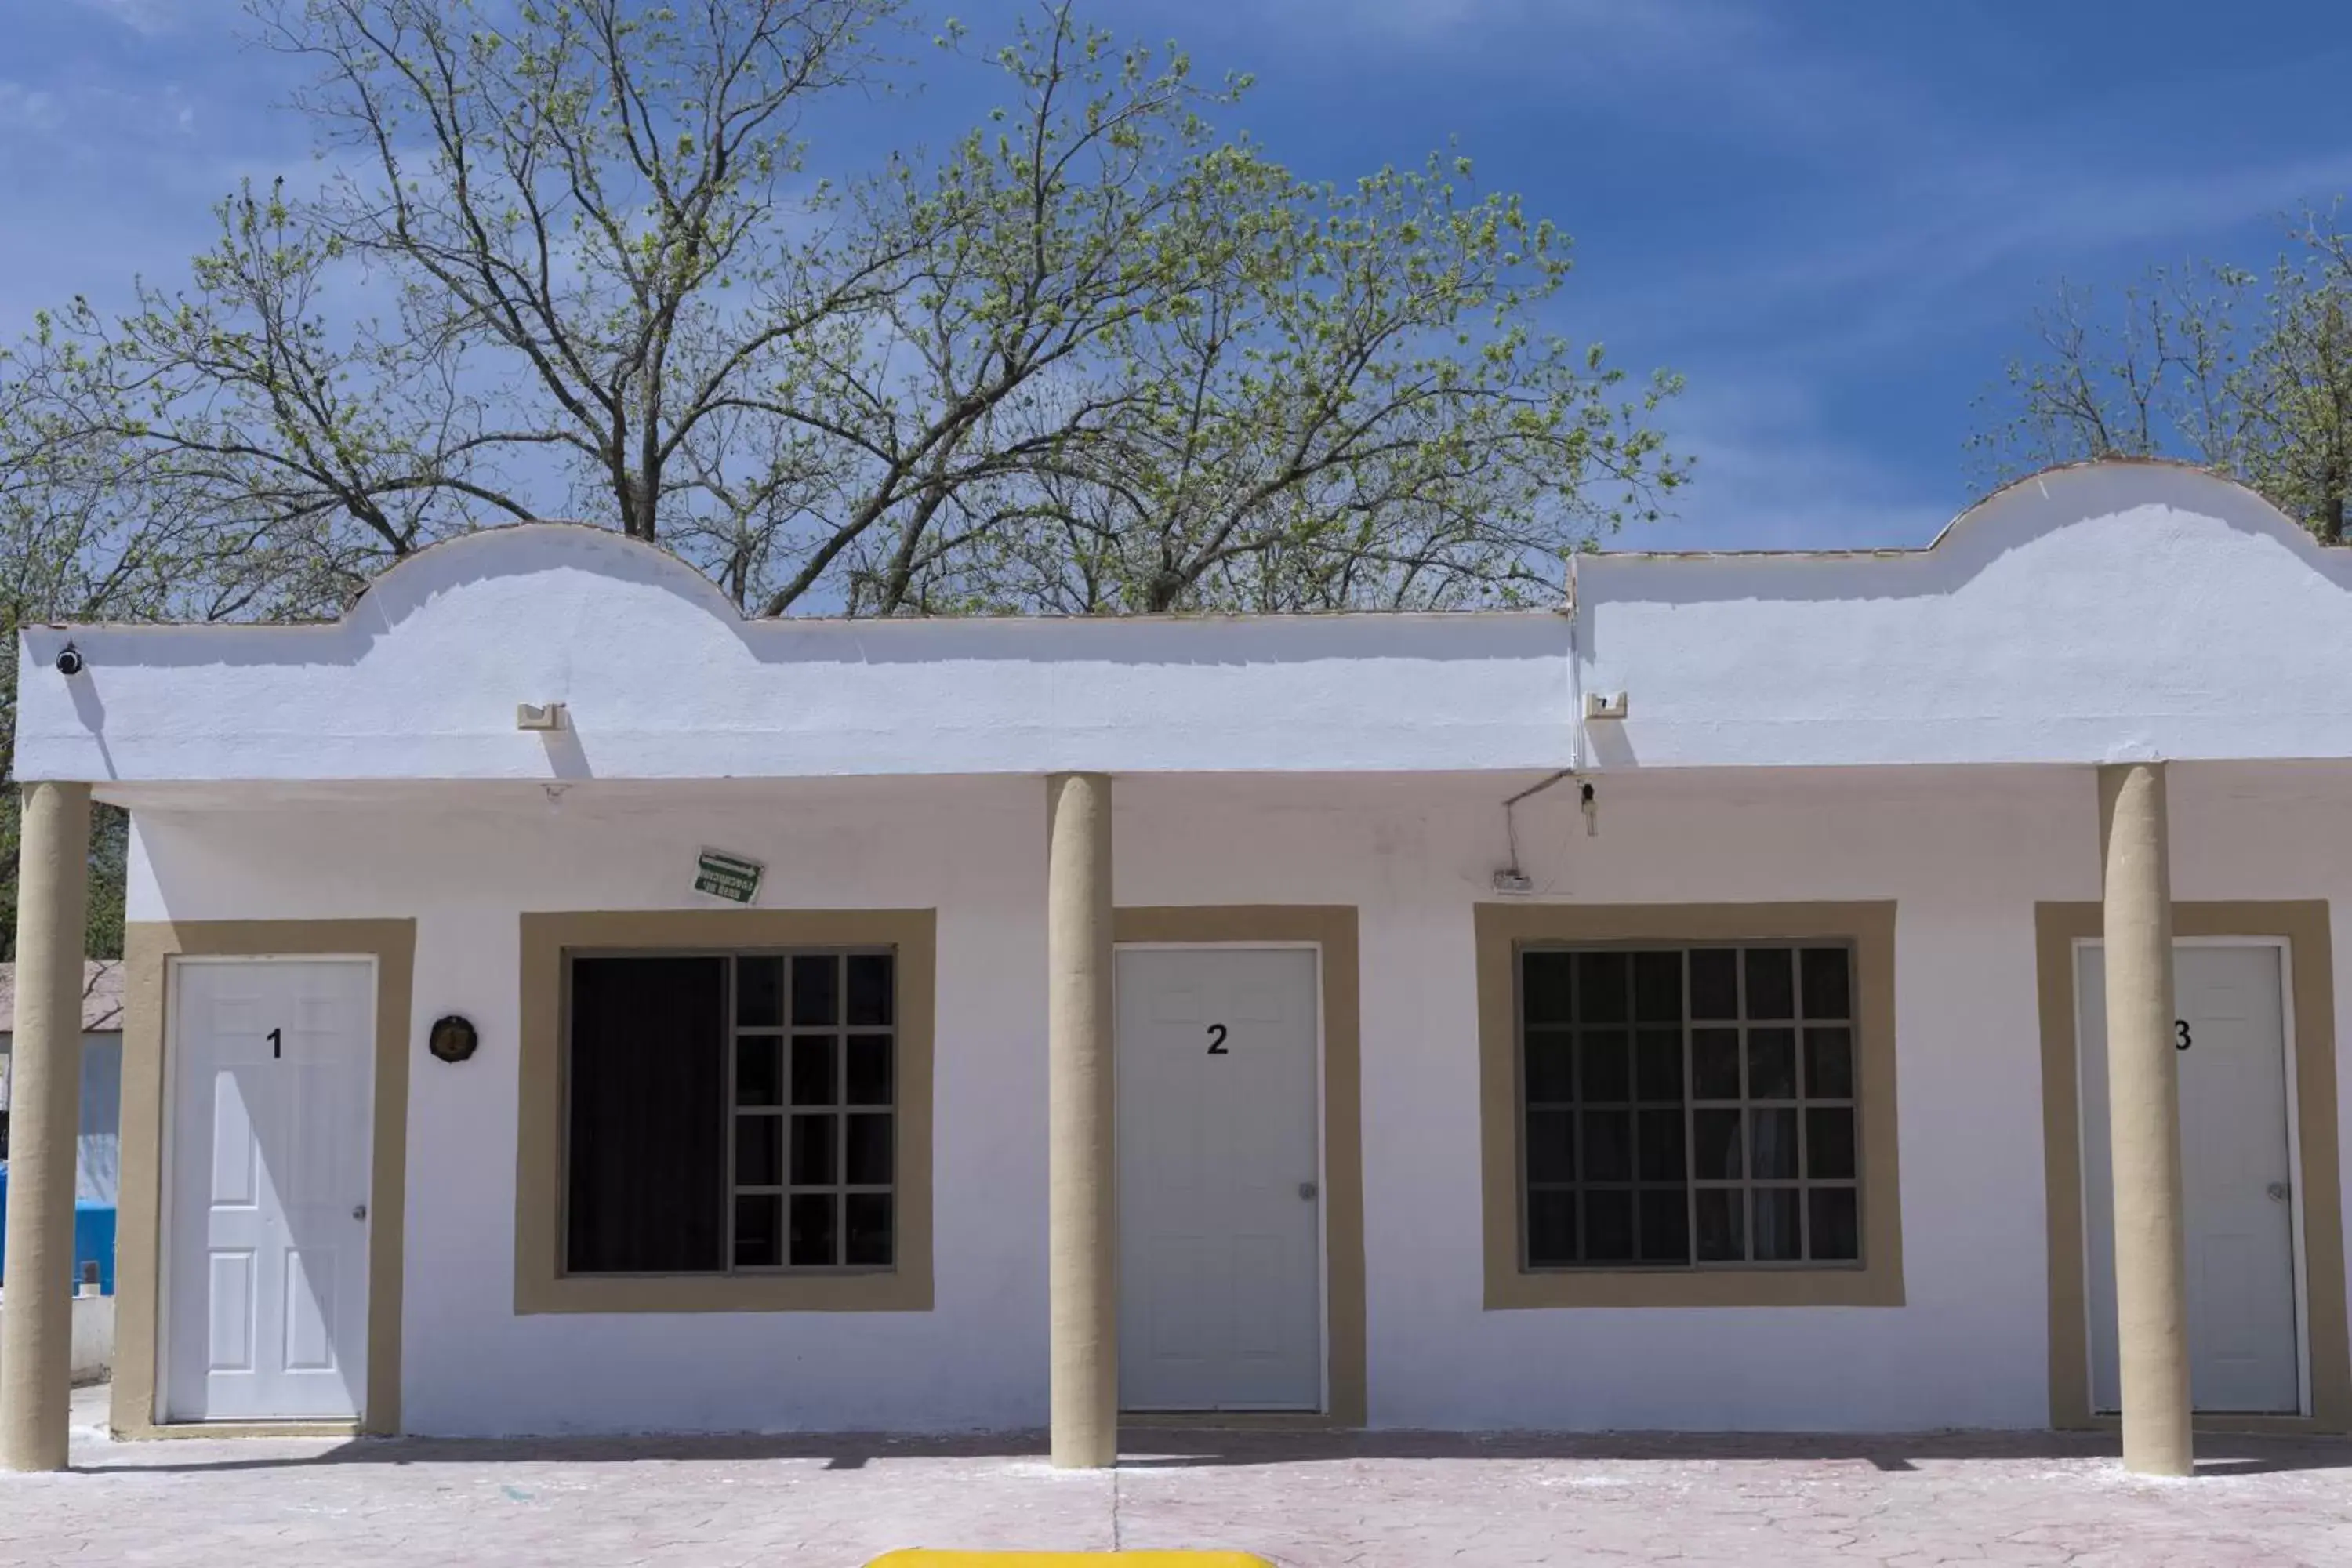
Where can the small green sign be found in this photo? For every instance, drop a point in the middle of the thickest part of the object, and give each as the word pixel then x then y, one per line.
pixel 729 876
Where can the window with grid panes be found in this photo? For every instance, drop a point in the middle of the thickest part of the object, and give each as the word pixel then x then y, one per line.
pixel 1688 1106
pixel 732 1112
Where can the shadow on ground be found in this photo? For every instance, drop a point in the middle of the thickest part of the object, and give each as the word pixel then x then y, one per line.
pixel 1149 1448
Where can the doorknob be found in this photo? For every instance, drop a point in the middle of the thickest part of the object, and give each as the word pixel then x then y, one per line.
pixel 359 1211
pixel 2278 1192
pixel 1306 1190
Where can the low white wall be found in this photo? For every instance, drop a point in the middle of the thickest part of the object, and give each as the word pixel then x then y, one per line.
pixel 1965 854
pixel 93 1338
pixel 92 1351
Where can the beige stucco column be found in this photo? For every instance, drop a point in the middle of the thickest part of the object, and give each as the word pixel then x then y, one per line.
pixel 36 1324
pixel 1082 1220
pixel 2144 1119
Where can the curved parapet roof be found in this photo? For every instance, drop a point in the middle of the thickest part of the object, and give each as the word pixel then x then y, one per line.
pixel 2093 612
pixel 2100 610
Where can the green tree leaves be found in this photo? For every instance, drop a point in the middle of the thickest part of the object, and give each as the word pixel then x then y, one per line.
pixel 586 258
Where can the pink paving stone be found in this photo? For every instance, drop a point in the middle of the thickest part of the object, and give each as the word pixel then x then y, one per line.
pixel 1380 1499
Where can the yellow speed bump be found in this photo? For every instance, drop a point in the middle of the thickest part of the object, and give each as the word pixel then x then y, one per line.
pixel 928 1559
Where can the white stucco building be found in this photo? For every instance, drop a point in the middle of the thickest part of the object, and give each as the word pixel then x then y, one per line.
pixel 1770 1093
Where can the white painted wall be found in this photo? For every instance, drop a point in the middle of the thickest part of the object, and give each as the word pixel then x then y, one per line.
pixel 2109 611
pixel 1966 853
pixel 664 679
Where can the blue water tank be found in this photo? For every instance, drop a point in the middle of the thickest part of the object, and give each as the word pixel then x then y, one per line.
pixel 93 1237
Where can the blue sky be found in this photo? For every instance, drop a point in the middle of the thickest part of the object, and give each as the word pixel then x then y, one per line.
pixel 1834 217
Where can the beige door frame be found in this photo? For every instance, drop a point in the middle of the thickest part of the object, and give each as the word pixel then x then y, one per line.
pixel 1332 931
pixel 148 948
pixel 2302 929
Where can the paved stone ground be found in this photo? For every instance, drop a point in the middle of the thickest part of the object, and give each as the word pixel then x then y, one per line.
pixel 1404 1500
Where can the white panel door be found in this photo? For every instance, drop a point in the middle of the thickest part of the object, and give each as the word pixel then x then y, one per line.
pixel 2236 1179
pixel 1221 1276
pixel 271 1065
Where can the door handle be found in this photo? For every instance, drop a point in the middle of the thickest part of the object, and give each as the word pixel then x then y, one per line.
pixel 2279 1192
pixel 1306 1190
pixel 359 1211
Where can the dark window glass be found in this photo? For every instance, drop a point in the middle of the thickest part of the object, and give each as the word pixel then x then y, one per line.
pixel 1829 1063
pixel 1837 1231
pixel 1772 1144
pixel 868 1163
pixel 1771 1064
pixel 1658 1065
pixel 1600 986
pixel 1608 1140
pixel 759 1231
pixel 1648 1072
pixel 869 1069
pixel 816 982
pixel 1546 993
pixel 870 989
pixel 684 1109
pixel 1666 1226
pixel 1658 987
pixel 758 1071
pixel 1608 1225
pixel 1715 1064
pixel 758 993
pixel 1773 1224
pixel 813 1070
pixel 1662 1148
pixel 1551 1146
pixel 1715 1137
pixel 1714 984
pixel 812 1164
pixel 813 1216
pixel 1828 992
pixel 1552 1068
pixel 1829 1144
pixel 1721 1231
pixel 1604 1076
pixel 646 1116
pixel 1551 1228
pixel 759 1151
pixel 1771 984
pixel 866 1240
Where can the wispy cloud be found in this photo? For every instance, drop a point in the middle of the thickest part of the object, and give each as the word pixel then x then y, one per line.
pixel 1668 65
pixel 1771 473
pixel 31 108
pixel 149 16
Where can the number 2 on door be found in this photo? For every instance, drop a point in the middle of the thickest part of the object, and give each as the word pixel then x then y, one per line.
pixel 1217 1040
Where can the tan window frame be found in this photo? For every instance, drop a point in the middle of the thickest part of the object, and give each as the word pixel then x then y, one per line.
pixel 1502 930
pixel 540 1286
